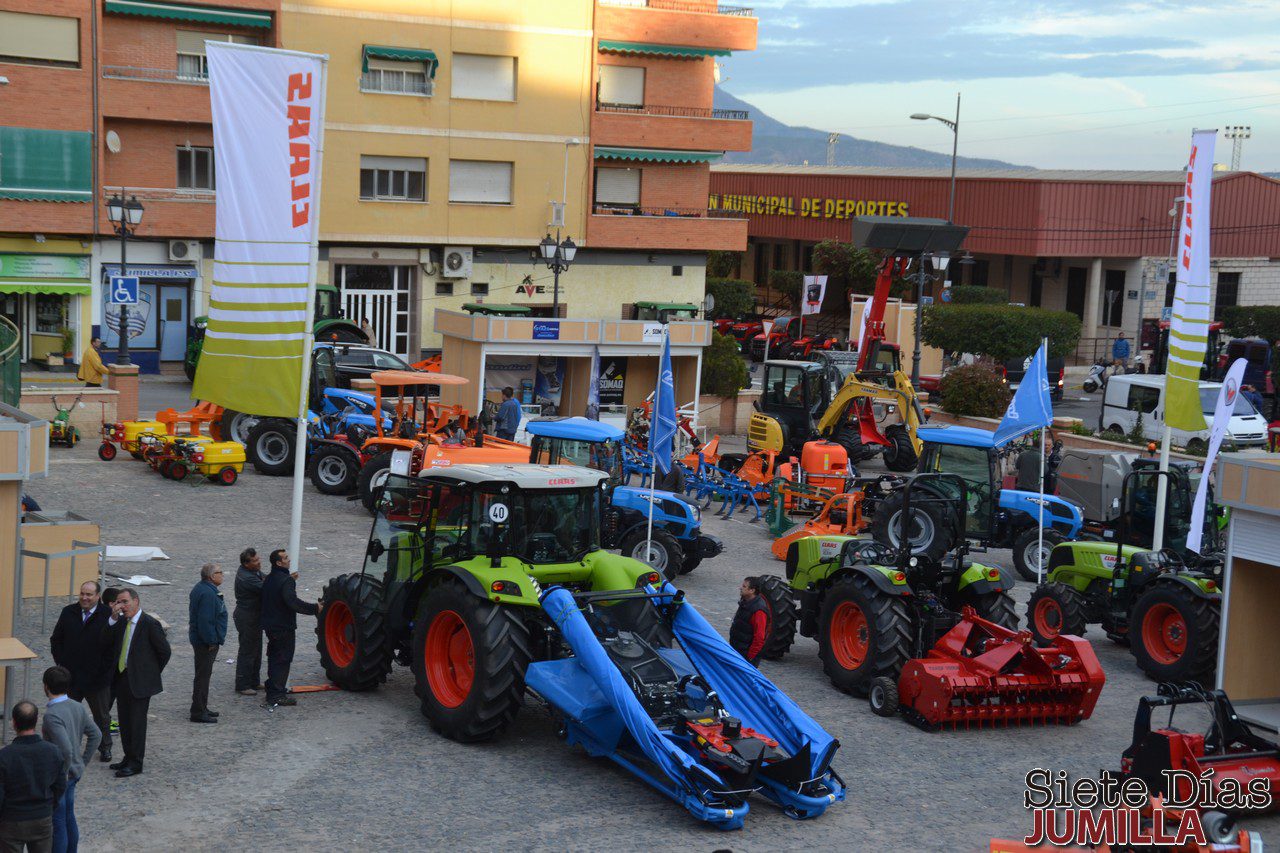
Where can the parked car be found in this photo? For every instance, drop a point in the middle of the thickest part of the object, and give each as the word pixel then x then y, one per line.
pixel 1127 396
pixel 358 361
pixel 1016 368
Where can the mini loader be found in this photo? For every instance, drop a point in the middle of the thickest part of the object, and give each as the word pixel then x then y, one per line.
pixel 490 583
pixel 1163 604
pixel 935 639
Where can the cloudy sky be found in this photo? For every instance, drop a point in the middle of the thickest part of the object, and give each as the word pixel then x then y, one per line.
pixel 1080 84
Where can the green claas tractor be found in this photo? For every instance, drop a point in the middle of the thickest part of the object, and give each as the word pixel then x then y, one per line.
pixel 1164 605
pixel 871 607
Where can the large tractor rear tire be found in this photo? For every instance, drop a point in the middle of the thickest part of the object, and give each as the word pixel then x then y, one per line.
pixel 664 552
pixel 373 476
pixel 333 470
pixel 930 532
pixel 1055 609
pixel 995 607
pixel 469 661
pixel 271 443
pixel 782 616
pixel 901 454
pixel 351 633
pixel 1025 547
pixel 850 438
pixel 1173 634
pixel 863 633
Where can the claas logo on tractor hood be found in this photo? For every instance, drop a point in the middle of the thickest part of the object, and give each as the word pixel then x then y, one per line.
pixel 562 481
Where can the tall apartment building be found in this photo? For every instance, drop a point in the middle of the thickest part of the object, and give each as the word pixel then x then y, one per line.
pixel 451 129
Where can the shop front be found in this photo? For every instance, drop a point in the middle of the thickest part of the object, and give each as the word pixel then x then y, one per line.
pixel 45 296
pixel 159 323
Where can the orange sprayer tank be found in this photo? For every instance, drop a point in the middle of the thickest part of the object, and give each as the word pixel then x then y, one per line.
pixel 825 464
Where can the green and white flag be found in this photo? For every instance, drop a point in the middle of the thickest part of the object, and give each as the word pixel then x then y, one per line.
pixel 1189 328
pixel 268 115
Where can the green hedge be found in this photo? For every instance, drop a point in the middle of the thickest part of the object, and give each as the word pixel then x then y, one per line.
pixel 975 390
pixel 970 294
pixel 724 373
pixel 1000 332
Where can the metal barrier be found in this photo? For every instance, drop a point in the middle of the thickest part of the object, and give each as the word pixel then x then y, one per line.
pixel 10 362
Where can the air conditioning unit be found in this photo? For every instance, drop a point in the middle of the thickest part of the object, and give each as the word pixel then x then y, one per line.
pixel 184 250
pixel 456 262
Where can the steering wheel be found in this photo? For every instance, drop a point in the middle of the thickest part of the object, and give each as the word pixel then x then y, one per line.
pixel 1170 557
pixel 873 552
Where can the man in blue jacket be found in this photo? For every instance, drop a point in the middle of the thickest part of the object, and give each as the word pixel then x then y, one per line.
pixel 207 630
pixel 1120 352
pixel 508 415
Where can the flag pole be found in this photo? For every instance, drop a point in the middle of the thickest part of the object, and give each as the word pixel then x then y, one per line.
pixel 308 335
pixel 1044 343
pixel 1157 534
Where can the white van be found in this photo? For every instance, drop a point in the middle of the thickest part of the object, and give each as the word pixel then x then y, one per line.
pixel 1126 395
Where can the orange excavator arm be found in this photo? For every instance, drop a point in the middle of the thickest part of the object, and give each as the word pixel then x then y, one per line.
pixel 873 332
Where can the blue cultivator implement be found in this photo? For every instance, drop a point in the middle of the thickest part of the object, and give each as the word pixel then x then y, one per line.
pixel 694 720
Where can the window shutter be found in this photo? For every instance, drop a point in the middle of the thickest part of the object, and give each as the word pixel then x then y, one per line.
pixel 481 181
pixel 622 84
pixel 488 78
pixel 618 186
pixel 193 42
pixel 405 164
pixel 46 37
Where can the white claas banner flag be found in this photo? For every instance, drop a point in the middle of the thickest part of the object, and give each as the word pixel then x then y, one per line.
pixel 1227 395
pixel 268 115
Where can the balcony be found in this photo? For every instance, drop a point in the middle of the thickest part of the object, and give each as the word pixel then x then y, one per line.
pixel 155 94
pixel 652 126
pixel 177 213
pixel 690 229
pixel 679 22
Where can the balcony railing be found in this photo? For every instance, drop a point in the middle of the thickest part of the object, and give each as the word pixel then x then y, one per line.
pixel 155 75
pixel 683 112
pixel 607 209
pixel 682 6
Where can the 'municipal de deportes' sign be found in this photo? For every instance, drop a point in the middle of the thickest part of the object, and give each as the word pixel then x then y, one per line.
pixel 813 208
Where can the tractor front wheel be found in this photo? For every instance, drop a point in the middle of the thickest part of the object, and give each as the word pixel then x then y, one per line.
pixel 333 470
pixel 883 696
pixel 469 661
pixel 782 616
pixel 900 455
pixel 1029 554
pixel 690 562
pixel 1174 634
pixel 863 633
pixel 352 634
pixel 106 451
pixel 271 444
pixel 662 552
pixel 1055 609
pixel 371 479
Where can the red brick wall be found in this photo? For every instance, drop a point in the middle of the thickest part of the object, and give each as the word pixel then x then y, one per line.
pixel 661 232
pixel 684 185
pixel 663 26
pixel 148 166
pixel 670 82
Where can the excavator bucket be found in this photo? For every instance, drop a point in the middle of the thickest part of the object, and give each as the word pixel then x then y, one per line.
pixel 981 674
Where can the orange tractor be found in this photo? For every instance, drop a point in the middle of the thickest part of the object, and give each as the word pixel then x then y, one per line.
pixel 424 434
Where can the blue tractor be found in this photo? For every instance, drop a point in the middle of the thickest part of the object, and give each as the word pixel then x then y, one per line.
pixel 677 545
pixel 997 517
pixel 330 411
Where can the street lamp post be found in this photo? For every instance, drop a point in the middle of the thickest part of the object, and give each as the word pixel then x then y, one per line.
pixel 125 217
pixel 558 257
pixel 955 144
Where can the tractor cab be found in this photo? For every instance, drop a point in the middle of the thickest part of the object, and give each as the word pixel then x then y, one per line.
pixel 796 394
pixel 578 441
pixel 330 324
pixel 487 309
pixel 968 454
pixel 1137 504
pixel 665 312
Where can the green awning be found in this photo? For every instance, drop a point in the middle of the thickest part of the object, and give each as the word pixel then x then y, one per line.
pixel 636 48
pixel 402 54
pixel 183 12
pixel 45 165
pixel 68 288
pixel 656 155
pixel 495 309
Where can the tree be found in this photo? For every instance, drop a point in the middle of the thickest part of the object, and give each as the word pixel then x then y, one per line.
pixel 733 297
pixel 1248 321
pixel 787 282
pixel 724 373
pixel 851 267
pixel 723 264
pixel 1000 332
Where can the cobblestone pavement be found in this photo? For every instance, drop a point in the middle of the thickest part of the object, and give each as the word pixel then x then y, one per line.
pixel 342 771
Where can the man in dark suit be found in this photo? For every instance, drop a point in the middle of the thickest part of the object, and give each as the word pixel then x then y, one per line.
pixel 138 653
pixel 79 645
pixel 280 609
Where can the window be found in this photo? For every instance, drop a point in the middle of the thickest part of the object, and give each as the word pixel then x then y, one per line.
pixel 50 313
pixel 1113 298
pixel 1142 399
pixel 444 288
pixel 484 78
pixel 480 181
pixel 193 66
pixel 1228 293
pixel 479 288
pixel 618 187
pixel 195 168
pixel 981 273
pixel 39 39
pixel 393 77
pixel 621 85
pixel 393 178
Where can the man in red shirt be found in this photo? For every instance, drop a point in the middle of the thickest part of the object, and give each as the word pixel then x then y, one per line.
pixel 750 626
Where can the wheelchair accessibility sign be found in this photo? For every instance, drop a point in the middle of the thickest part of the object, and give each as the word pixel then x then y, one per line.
pixel 123 289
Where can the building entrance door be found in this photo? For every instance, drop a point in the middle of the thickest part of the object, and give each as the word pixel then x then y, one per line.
pixel 379 294
pixel 173 322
